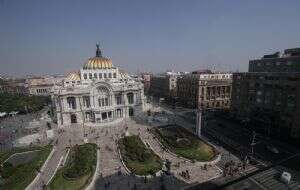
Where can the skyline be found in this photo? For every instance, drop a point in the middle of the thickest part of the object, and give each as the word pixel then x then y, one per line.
pixel 58 37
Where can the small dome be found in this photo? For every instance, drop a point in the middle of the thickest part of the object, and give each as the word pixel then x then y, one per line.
pixel 98 62
pixel 74 76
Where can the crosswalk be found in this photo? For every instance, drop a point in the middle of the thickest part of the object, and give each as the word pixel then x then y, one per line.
pixel 270 179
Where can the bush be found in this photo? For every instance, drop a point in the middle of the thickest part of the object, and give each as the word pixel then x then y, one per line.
pixel 184 143
pixel 81 161
pixel 138 158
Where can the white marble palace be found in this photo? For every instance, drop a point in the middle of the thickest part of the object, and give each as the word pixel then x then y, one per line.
pixel 98 94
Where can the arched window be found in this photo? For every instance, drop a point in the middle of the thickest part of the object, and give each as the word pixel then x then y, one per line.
pixel 71 102
pixel 130 98
pixel 118 99
pixel 86 101
pixel 103 97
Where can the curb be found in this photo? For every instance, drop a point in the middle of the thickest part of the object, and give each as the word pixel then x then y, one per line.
pixel 96 173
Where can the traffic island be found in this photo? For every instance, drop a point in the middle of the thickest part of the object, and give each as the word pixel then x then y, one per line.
pixel 20 166
pixel 139 159
pixel 183 143
pixel 78 170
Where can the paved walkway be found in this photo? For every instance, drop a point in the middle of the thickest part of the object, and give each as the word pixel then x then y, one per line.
pixel 60 151
pixel 112 174
pixel 197 174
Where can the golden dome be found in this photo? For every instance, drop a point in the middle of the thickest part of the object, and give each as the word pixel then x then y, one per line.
pixel 98 62
pixel 74 76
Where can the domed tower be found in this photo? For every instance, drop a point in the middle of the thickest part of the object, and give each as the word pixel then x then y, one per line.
pixel 98 68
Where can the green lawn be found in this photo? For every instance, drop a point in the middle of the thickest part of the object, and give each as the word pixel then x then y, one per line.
pixel 185 144
pixel 138 158
pixel 20 176
pixel 79 169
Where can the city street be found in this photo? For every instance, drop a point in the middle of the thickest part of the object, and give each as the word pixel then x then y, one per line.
pixel 234 143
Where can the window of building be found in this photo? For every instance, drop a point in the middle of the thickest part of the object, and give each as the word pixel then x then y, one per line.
pixel 104 115
pixel 85 76
pixel 109 75
pixel 106 101
pixel 118 99
pixel 105 75
pixel 90 76
pixel 130 98
pixel 100 75
pixel 95 75
pixel 115 75
pixel 86 101
pixel 71 102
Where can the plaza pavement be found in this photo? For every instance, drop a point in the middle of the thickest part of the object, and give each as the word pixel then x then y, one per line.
pixel 112 174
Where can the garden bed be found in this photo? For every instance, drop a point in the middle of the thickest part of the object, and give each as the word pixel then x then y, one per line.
pixel 183 143
pixel 139 159
pixel 20 176
pixel 79 168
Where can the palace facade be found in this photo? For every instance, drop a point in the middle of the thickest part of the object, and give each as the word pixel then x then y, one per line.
pixel 98 94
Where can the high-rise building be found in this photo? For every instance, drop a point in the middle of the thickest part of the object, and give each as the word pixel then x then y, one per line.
pixel 269 94
pixel 289 61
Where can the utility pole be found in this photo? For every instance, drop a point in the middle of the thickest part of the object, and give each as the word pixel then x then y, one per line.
pixel 199 121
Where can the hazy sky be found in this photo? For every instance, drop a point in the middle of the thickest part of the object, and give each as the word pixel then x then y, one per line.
pixel 57 36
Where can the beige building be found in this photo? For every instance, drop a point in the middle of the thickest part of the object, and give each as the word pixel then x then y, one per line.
pixel 42 86
pixel 205 90
pixel 13 86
